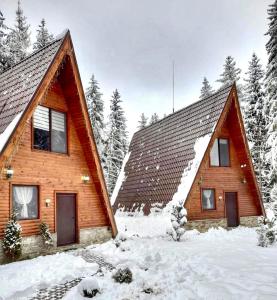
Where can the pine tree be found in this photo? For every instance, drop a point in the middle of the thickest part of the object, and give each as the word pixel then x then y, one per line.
pixel 43 36
pixel 96 113
pixel 4 50
pixel 266 231
pixel 18 40
pixel 142 122
pixel 46 235
pixel 12 241
pixel 178 220
pixel 230 72
pixel 255 121
pixel 206 89
pixel 154 118
pixel 271 90
pixel 116 142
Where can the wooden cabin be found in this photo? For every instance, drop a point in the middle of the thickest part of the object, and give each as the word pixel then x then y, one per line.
pixel 50 169
pixel 214 178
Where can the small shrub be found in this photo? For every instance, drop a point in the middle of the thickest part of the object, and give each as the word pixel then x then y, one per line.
pixel 123 276
pixel 12 241
pixel 266 232
pixel 88 287
pixel 178 220
pixel 46 235
pixel 121 237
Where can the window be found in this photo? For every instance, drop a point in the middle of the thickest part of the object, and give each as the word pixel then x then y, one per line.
pixel 50 130
pixel 25 201
pixel 208 199
pixel 219 155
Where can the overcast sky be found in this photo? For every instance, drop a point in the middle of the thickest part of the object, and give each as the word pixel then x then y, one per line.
pixel 130 44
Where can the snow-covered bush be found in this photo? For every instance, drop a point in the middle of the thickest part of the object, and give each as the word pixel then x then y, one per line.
pixel 123 275
pixel 121 237
pixel 178 220
pixel 88 287
pixel 266 231
pixel 46 235
pixel 12 241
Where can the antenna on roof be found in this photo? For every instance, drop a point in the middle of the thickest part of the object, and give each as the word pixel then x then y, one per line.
pixel 173 85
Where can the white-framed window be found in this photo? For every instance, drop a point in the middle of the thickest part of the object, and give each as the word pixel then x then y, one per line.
pixel 25 201
pixel 208 199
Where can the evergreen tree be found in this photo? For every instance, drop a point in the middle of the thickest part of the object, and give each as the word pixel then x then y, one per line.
pixel 271 90
pixel 230 72
pixel 154 118
pixel 18 40
pixel 266 231
pixel 43 36
pixel 116 142
pixel 206 89
pixel 4 50
pixel 255 121
pixel 12 241
pixel 96 113
pixel 142 121
pixel 46 235
pixel 178 220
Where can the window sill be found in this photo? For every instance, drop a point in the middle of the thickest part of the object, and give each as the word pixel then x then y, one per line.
pixel 50 152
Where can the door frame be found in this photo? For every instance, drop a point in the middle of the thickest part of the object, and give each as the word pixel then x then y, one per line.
pixel 238 208
pixel 77 231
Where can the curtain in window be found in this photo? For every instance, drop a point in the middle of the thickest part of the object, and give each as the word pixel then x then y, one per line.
pixel 23 196
pixel 207 195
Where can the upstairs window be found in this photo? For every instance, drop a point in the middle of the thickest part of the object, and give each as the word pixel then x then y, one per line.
pixel 219 155
pixel 50 133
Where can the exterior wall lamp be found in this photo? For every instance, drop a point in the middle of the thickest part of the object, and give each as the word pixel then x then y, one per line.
pixel 243 180
pixel 47 202
pixel 9 172
pixel 200 181
pixel 85 178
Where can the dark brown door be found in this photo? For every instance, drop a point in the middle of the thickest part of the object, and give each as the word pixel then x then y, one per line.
pixel 231 209
pixel 66 219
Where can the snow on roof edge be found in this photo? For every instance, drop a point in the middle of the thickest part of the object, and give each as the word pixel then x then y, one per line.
pixel 4 137
pixel 190 172
pixel 121 178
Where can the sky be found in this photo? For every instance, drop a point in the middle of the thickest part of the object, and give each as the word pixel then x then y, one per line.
pixel 131 44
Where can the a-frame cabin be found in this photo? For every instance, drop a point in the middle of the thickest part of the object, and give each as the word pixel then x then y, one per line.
pixel 198 155
pixel 50 169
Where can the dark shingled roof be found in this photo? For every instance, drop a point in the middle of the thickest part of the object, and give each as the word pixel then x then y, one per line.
pixel 161 152
pixel 19 83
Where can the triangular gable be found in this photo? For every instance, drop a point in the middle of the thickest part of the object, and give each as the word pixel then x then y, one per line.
pixel 161 152
pixel 232 103
pixel 65 57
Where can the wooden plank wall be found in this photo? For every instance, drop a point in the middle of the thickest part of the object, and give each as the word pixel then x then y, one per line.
pixel 54 172
pixel 224 179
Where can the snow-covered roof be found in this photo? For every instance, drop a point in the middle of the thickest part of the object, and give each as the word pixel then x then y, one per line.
pixel 166 155
pixel 19 83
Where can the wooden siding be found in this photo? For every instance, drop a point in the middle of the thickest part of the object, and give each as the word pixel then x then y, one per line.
pixel 53 173
pixel 226 179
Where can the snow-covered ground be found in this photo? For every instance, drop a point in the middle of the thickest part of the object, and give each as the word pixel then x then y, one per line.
pixel 218 264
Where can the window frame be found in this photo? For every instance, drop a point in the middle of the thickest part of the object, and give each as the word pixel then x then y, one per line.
pixel 218 147
pixel 201 198
pixel 50 132
pixel 38 200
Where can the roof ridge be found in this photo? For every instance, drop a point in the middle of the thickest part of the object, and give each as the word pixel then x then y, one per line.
pixel 194 103
pixel 57 39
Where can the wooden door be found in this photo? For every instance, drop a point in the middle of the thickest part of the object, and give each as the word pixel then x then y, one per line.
pixel 66 219
pixel 231 203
